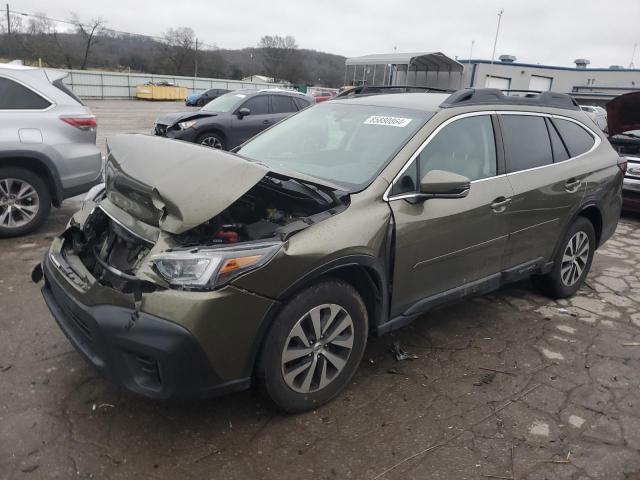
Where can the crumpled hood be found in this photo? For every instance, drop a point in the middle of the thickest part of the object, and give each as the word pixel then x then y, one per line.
pixel 623 114
pixel 173 118
pixel 174 185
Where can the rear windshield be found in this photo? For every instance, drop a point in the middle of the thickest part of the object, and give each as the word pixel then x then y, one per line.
pixel 61 86
pixel 224 103
pixel 345 144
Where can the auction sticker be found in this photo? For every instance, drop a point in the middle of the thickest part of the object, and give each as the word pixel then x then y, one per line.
pixel 387 121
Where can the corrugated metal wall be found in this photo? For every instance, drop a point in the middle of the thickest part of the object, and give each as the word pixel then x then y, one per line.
pixel 91 84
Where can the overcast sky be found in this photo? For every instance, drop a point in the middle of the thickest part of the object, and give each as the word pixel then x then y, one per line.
pixel 542 31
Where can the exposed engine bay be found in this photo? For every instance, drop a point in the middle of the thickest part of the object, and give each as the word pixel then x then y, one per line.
pixel 274 209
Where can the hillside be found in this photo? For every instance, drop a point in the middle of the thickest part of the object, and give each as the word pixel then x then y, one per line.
pixel 143 54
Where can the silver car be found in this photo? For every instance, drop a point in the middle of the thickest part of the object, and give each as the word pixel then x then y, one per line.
pixel 47 146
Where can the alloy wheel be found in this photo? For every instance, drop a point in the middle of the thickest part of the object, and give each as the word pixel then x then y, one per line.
pixel 317 348
pixel 574 259
pixel 19 202
pixel 211 141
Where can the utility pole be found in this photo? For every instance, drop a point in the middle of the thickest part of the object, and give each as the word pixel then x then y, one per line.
pixel 633 56
pixel 195 73
pixel 495 43
pixel 8 21
pixel 469 62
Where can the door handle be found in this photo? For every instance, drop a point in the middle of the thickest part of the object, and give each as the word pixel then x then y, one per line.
pixel 266 122
pixel 572 185
pixel 499 205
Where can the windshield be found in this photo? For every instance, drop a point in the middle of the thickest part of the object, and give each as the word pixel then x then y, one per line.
pixel 345 144
pixel 224 103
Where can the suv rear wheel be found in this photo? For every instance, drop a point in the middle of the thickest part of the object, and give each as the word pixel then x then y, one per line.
pixel 572 262
pixel 25 201
pixel 314 346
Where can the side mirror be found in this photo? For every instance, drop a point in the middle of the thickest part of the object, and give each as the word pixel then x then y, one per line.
pixel 243 112
pixel 442 184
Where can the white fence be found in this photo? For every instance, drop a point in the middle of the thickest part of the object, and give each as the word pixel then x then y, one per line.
pixel 92 84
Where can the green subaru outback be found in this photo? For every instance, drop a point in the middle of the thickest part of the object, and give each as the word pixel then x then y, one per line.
pixel 194 272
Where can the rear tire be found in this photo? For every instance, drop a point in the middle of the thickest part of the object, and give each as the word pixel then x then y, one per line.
pixel 314 346
pixel 25 201
pixel 572 262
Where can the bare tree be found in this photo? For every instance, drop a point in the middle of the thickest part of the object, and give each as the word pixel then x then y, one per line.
pixel 280 57
pixel 178 47
pixel 90 33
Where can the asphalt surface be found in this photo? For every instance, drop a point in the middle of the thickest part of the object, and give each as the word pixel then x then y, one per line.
pixel 510 385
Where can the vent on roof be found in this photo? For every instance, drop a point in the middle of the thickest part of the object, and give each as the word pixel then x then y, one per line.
pixel 581 62
pixel 616 67
pixel 507 58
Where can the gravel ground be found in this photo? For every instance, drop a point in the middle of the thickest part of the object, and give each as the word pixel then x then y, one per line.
pixel 510 385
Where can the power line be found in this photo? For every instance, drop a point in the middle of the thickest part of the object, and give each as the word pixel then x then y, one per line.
pixel 106 29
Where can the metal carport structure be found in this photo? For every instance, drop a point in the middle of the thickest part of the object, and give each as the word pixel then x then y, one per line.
pixel 424 69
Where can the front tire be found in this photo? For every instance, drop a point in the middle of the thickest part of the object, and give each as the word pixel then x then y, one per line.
pixel 25 201
pixel 211 140
pixel 314 346
pixel 572 262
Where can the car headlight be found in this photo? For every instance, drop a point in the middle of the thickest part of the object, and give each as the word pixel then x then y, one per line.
pixel 187 124
pixel 209 269
pixel 633 170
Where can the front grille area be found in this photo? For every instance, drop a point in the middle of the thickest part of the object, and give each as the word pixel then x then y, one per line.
pixel 161 130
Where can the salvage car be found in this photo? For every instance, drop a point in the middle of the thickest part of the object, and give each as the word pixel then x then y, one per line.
pixel 202 271
pixel 233 118
pixel 48 146
pixel 623 127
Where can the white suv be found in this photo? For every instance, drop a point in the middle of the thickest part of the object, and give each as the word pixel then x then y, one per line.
pixel 47 146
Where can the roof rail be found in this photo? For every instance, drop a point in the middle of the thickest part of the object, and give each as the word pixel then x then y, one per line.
pixel 494 96
pixel 366 90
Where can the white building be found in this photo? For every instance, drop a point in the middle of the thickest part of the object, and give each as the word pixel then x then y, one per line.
pixel 593 86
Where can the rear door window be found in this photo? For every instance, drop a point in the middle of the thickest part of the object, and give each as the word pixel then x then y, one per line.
pixel 301 103
pixel 282 104
pixel 559 150
pixel 576 138
pixel 526 142
pixel 259 105
pixel 14 96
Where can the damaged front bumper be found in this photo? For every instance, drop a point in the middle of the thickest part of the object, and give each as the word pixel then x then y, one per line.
pixel 172 344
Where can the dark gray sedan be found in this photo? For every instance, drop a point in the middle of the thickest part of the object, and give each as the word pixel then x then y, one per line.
pixel 233 118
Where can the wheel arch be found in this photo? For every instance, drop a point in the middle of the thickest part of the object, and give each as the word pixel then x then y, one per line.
pixel 39 164
pixel 592 213
pixel 365 273
pixel 217 129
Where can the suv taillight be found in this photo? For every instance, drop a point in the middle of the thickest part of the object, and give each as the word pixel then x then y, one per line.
pixel 622 164
pixel 81 123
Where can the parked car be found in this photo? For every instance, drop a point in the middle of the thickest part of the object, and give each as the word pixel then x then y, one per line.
pixel 232 118
pixel 597 114
pixel 202 271
pixel 201 99
pixel 623 114
pixel 47 146
pixel 320 97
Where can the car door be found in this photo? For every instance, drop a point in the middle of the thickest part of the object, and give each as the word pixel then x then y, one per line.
pixel 547 189
pixel 246 126
pixel 282 106
pixel 450 246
